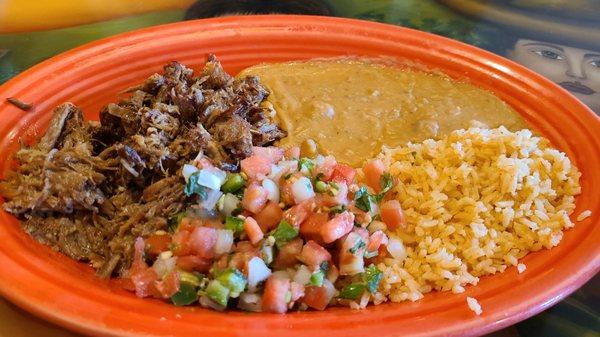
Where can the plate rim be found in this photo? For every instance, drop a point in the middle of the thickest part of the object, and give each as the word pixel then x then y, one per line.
pixel 567 285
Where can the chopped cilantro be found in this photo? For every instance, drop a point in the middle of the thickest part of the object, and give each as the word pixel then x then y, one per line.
pixel 305 165
pixel 372 277
pixel 386 182
pixel 363 199
pixel 337 209
pixel 192 187
pixel 357 246
pixel 324 266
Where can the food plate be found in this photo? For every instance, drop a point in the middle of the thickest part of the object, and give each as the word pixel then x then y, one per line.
pixel 66 292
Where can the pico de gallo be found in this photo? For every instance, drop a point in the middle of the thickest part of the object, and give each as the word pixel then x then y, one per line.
pixel 284 233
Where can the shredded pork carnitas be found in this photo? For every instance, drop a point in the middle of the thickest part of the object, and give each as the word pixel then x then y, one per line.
pixel 89 189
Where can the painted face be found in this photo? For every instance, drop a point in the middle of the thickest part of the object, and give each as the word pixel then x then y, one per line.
pixel 577 70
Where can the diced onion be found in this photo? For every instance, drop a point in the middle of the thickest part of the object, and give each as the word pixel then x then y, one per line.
pixel 284 167
pixel 257 272
pixel 208 303
pixel 164 266
pixel 212 178
pixel 396 248
pixel 281 274
pixel 302 275
pixel 230 203
pixel 375 226
pixel 224 241
pixel 250 302
pixel 188 170
pixel 272 188
pixel 212 196
pixel 302 189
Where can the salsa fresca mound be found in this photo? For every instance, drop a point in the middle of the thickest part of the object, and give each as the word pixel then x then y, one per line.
pixel 287 232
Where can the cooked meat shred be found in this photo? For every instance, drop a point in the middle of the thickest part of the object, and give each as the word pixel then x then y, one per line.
pixel 89 189
pixel 19 104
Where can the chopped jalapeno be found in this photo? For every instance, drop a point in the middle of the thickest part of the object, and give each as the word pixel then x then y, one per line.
pixel 284 233
pixel 233 183
pixel 186 295
pixel 320 186
pixel 217 292
pixel 190 278
pixel 234 280
pixel 352 291
pixel 234 224
pixel 305 165
pixel 317 278
pixel 334 189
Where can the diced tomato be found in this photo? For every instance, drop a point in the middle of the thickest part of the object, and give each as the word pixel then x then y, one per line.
pixel 377 239
pixel 203 163
pixel 325 169
pixel 392 214
pixel 245 247
pixel 157 244
pixel 193 263
pixel 240 260
pixel 256 167
pixel 373 171
pixel 360 216
pixel 213 223
pixel 318 297
pixel 351 260
pixel 274 297
pixel 287 256
pixel 341 198
pixel 255 198
pixel 333 273
pixel 292 153
pixel 310 229
pixel 202 242
pixel 169 285
pixel 297 291
pixel 285 191
pixel 269 216
pixel 313 255
pixel 180 243
pixel 295 215
pixel 222 262
pixel 138 265
pixel 188 224
pixel 363 233
pixel 125 283
pixel 343 173
pixel 143 282
pixel 253 230
pixel 337 227
pixel 274 154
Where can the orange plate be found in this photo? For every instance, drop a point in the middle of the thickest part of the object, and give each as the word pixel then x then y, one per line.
pixel 65 292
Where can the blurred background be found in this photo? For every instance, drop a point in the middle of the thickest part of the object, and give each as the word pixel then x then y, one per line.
pixel 560 39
